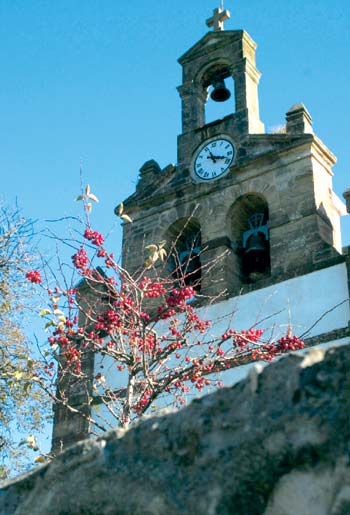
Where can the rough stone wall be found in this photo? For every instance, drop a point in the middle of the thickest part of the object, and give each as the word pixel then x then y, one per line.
pixel 275 444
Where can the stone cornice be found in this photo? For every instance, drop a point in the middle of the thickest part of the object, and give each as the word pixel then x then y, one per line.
pixel 249 162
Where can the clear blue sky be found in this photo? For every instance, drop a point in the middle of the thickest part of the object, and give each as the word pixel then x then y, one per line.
pixel 94 82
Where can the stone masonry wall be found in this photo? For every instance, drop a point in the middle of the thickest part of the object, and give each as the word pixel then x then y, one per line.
pixel 278 443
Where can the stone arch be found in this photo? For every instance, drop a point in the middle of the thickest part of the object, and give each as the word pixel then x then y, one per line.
pixel 184 240
pixel 206 78
pixel 248 222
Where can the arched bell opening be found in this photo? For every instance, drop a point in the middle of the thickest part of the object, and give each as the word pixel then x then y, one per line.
pixel 221 93
pixel 184 262
pixel 250 236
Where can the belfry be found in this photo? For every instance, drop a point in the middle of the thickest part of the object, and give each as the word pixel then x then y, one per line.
pixel 263 202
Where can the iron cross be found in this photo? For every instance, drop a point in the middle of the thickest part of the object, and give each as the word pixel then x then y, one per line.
pixel 218 18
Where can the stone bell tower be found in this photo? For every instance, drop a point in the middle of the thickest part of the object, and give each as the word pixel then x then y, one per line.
pixel 259 206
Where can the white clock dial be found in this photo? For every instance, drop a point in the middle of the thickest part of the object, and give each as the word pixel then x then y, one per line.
pixel 213 159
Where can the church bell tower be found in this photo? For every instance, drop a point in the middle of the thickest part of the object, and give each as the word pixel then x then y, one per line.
pixel 252 209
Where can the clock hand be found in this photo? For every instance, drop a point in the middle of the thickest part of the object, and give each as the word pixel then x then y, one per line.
pixel 215 157
pixel 212 157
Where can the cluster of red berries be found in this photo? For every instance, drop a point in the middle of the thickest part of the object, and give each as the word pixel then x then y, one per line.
pixel 289 343
pixel 164 313
pixel 179 296
pixel 198 324
pixel 201 383
pixel 242 338
pixel 34 276
pixel 48 369
pixel 95 237
pixel 145 316
pixel 73 358
pixel 108 322
pixel 109 261
pixel 176 299
pixel 143 402
pixel 148 344
pixel 151 290
pixel 59 339
pixel 80 259
pixel 269 351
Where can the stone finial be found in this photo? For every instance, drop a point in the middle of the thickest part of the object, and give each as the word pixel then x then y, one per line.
pixel 149 167
pixel 148 172
pixel 299 120
pixel 218 18
pixel 346 195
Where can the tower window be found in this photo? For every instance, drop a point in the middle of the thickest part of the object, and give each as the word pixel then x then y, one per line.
pixel 250 236
pixel 256 251
pixel 222 106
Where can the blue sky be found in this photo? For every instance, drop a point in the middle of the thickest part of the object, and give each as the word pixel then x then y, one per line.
pixel 93 83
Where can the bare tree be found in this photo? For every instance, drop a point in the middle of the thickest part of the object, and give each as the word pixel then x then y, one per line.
pixel 144 331
pixel 21 400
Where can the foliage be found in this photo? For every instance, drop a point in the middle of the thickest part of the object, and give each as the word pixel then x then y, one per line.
pixel 153 345
pixel 21 400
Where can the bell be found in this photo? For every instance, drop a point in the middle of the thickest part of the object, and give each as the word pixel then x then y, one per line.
pixel 256 254
pixel 220 93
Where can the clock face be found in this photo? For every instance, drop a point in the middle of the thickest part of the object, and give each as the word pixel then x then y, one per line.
pixel 213 159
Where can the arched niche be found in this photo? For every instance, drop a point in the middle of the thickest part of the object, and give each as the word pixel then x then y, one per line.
pixel 248 224
pixel 218 77
pixel 184 250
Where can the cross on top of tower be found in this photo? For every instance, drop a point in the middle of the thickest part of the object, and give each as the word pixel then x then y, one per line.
pixel 218 18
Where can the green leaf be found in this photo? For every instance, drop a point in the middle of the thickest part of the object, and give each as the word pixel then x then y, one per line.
pixel 120 209
pixel 58 312
pixel 151 248
pixel 44 312
pixel 27 387
pixel 80 197
pixel 48 324
pixel 148 263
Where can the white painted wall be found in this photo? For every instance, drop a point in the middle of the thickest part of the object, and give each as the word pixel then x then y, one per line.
pixel 303 300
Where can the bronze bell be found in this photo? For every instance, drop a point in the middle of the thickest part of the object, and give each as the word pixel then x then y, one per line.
pixel 256 254
pixel 220 93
